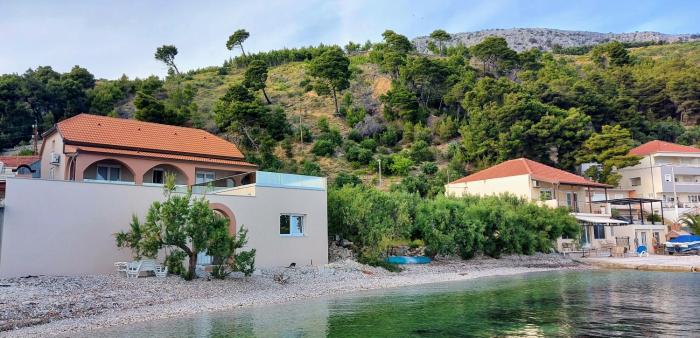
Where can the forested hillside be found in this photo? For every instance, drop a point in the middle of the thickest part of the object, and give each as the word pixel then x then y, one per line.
pixel 428 118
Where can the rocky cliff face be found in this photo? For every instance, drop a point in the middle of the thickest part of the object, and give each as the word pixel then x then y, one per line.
pixel 521 39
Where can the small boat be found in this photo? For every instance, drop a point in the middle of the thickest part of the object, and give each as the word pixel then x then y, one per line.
pixel 683 244
pixel 408 260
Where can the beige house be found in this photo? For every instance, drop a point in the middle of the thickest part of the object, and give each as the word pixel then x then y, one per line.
pixel 669 172
pixel 588 201
pixel 64 222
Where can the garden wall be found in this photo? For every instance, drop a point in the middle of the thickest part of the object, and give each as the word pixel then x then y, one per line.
pixel 66 228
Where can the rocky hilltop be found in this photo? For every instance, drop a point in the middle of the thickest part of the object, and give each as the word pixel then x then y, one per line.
pixel 521 39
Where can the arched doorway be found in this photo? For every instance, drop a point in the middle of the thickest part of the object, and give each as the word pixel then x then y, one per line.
pixel 157 174
pixel 224 211
pixel 109 170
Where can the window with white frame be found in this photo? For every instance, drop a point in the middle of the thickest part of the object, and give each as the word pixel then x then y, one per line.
pixel 292 225
pixel 668 178
pixel 693 198
pixel 108 173
pixel 204 177
pixel 636 181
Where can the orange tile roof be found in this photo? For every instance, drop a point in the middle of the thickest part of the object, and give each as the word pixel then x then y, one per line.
pixel 103 131
pixel 16 161
pixel 72 149
pixel 538 171
pixel 656 146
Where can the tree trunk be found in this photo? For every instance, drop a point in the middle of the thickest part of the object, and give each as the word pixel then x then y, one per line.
pixel 242 51
pixel 250 138
pixel 266 98
pixel 335 99
pixel 192 266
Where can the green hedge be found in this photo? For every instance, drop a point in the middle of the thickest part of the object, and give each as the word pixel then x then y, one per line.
pixel 468 226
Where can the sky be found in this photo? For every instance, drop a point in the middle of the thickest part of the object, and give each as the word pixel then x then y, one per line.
pixel 111 38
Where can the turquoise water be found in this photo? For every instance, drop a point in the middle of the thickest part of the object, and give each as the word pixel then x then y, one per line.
pixel 585 303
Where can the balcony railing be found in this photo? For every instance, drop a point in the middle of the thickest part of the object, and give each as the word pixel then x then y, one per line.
pixel 670 204
pixel 279 180
pixel 579 207
pixel 264 179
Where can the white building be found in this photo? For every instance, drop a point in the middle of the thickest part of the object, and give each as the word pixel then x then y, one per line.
pixel 667 171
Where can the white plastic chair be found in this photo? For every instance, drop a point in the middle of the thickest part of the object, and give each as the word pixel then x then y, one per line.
pixel 161 271
pixel 148 265
pixel 133 269
pixel 121 266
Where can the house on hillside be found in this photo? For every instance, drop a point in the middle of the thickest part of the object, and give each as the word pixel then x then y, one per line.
pixel 669 172
pixel 592 204
pixel 94 148
pixel 96 172
pixel 11 166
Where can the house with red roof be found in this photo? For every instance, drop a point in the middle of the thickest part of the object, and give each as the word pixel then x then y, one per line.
pixel 587 200
pixel 11 166
pixel 98 172
pixel 666 171
pixel 104 149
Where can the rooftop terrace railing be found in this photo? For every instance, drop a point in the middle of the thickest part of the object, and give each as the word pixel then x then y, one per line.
pixel 263 179
pixel 280 180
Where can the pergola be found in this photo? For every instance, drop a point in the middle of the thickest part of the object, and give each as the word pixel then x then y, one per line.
pixel 637 200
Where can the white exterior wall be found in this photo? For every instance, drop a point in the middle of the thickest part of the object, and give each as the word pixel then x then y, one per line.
pixel 519 185
pixel 53 143
pixel 649 175
pixel 66 228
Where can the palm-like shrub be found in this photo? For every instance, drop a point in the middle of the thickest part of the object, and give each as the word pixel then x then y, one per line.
pixel 693 222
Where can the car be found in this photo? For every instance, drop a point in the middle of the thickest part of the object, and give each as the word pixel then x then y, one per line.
pixel 683 245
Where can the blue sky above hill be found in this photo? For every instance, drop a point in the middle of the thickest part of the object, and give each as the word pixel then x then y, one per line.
pixel 114 37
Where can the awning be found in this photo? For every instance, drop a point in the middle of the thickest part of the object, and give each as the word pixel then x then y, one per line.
pixel 599 220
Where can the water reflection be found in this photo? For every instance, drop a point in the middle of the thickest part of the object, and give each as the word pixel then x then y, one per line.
pixel 589 303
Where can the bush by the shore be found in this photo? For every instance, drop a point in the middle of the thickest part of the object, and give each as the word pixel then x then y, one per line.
pixel 467 226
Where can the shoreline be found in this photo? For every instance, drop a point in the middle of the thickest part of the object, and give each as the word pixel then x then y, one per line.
pixel 648 263
pixel 157 299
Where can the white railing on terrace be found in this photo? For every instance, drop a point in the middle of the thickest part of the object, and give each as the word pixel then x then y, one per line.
pixel 280 180
pixel 109 182
pixel 263 179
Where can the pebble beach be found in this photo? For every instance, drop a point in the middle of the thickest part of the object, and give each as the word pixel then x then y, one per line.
pixel 40 306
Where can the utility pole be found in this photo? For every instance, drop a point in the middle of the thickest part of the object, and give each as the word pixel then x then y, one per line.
pixel 675 196
pixel 301 134
pixel 380 171
pixel 36 136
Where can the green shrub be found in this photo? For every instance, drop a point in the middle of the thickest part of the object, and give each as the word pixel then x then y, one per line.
pixel 355 115
pixel 344 178
pixel 376 261
pixel 429 168
pixel 400 164
pixel 369 143
pixel 174 261
pixel 468 226
pixel 323 148
pixel 421 152
pixel 390 137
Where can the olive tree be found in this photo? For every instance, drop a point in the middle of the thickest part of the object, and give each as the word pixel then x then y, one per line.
pixel 182 223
